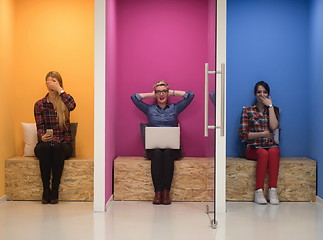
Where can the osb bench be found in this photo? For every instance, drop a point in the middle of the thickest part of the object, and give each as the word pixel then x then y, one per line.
pixel 193 179
pixel 296 179
pixel 23 181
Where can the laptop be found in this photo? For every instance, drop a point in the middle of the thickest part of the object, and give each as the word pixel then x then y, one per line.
pixel 162 137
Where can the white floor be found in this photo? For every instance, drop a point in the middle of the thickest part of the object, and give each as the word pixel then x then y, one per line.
pixel 24 220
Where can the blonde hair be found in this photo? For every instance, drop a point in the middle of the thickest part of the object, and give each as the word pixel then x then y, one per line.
pixel 59 105
pixel 161 83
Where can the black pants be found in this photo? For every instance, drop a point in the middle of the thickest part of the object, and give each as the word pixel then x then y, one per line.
pixel 51 160
pixel 162 167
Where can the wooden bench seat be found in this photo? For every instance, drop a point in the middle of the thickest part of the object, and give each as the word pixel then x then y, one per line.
pixel 193 179
pixel 23 181
pixel 296 179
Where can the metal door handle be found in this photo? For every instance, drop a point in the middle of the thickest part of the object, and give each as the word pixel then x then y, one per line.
pixel 206 103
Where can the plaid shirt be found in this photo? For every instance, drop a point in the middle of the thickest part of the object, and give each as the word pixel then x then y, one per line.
pixel 253 121
pixel 46 118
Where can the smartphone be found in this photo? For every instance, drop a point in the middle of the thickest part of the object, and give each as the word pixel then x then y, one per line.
pixel 50 132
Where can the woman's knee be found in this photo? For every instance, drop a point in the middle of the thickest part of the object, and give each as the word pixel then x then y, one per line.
pixel 262 155
pixel 274 152
pixel 62 149
pixel 58 147
pixel 168 152
pixel 171 154
pixel 42 147
pixel 262 152
pixel 154 154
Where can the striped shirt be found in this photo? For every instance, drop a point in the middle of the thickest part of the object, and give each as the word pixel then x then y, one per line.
pixel 46 118
pixel 253 121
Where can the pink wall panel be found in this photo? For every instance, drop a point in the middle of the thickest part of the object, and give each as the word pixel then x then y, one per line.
pixel 211 61
pixel 111 100
pixel 160 40
pixel 211 33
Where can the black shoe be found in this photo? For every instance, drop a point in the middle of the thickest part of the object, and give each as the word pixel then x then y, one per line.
pixel 157 199
pixel 45 201
pixel 54 196
pixel 46 196
pixel 165 197
pixel 54 201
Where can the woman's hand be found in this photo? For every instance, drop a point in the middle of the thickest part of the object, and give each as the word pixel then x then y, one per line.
pixel 267 134
pixel 54 85
pixel 264 134
pixel 47 137
pixel 273 122
pixel 266 101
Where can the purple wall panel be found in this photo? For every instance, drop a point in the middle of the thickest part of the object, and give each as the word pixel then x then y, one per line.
pixel 110 94
pixel 211 61
pixel 160 40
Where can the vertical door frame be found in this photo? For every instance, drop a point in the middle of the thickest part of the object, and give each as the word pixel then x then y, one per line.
pixel 220 141
pixel 99 104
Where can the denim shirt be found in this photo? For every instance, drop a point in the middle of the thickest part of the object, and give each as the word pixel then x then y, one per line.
pixel 167 117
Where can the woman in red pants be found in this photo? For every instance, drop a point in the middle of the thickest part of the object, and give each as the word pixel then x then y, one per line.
pixel 256 128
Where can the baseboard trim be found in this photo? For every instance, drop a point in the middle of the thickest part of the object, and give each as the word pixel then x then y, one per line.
pixel 109 203
pixel 319 200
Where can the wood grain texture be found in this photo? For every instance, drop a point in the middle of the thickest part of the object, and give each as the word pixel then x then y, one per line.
pixel 193 179
pixel 132 179
pixel 23 181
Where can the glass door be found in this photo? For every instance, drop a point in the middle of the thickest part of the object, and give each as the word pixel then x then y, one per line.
pixel 210 111
pixel 214 126
pixel 209 132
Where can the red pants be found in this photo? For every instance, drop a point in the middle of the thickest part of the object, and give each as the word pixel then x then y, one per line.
pixel 265 157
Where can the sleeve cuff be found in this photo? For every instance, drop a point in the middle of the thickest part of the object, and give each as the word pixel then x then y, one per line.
pixel 139 98
pixel 187 94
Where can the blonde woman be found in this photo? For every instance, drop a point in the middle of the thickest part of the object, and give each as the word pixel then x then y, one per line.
pixel 162 114
pixel 52 115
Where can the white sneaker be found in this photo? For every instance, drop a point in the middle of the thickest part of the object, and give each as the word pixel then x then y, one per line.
pixel 273 198
pixel 259 197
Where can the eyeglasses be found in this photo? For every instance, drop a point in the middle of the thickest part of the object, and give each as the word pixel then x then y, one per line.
pixel 161 92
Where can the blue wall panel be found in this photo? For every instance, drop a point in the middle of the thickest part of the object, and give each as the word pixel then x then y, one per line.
pixel 269 40
pixel 316 91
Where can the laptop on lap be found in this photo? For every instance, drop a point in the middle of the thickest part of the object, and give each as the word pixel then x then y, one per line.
pixel 162 137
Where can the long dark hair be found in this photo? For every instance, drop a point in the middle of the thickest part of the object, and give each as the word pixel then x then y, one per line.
pixel 266 86
pixel 261 83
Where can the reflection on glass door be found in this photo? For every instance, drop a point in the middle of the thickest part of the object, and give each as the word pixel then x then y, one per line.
pixel 210 103
pixel 209 132
pixel 214 128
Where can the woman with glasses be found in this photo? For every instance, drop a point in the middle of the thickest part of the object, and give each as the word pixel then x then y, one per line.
pixel 162 114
